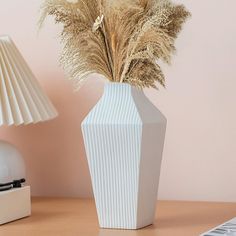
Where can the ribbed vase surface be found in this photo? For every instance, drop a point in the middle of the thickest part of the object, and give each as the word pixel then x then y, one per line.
pixel 124 138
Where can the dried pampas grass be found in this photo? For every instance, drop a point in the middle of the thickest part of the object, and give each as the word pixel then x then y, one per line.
pixel 121 40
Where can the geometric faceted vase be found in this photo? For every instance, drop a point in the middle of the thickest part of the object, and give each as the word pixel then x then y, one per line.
pixel 124 138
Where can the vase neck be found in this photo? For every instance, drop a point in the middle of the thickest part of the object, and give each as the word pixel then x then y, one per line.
pixel 119 89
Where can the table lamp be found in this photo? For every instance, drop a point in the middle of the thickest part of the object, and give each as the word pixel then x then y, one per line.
pixel 22 101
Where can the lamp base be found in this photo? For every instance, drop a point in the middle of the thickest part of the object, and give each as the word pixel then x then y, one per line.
pixel 15 204
pixel 12 166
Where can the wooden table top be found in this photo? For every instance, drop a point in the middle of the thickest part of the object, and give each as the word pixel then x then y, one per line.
pixel 77 217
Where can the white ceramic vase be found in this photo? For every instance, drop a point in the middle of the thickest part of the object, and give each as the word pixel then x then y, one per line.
pixel 124 137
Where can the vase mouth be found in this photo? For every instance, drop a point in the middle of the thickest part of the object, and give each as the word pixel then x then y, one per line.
pixel 117 87
pixel 121 84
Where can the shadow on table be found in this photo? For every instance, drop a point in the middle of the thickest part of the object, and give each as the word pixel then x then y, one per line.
pixel 175 221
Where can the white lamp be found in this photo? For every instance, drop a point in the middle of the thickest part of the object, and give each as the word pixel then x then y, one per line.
pixel 22 101
pixel 12 166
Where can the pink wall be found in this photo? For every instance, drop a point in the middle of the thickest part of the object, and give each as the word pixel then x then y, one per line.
pixel 200 104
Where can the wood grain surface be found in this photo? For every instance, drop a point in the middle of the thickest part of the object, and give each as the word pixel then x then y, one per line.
pixel 77 217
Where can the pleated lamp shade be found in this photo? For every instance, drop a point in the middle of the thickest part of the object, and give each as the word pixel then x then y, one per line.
pixel 22 100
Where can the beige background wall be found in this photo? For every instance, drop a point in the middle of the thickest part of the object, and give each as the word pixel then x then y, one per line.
pixel 200 104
